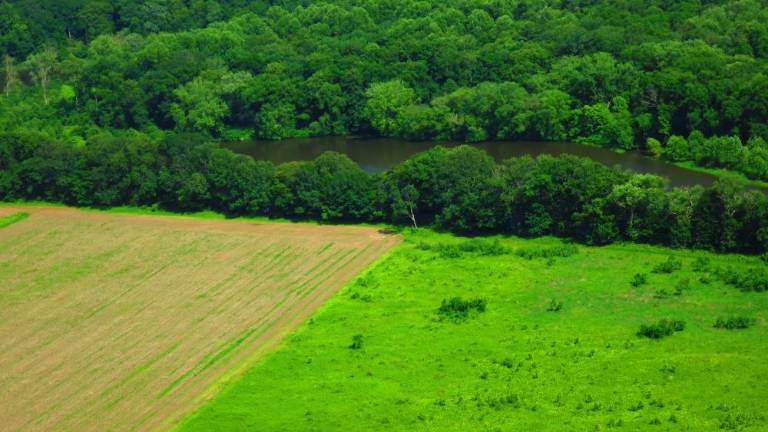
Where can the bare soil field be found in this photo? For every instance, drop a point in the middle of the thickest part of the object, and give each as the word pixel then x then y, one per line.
pixel 124 322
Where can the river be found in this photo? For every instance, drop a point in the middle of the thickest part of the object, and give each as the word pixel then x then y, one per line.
pixel 378 154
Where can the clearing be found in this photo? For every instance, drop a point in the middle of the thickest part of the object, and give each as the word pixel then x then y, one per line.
pixel 126 322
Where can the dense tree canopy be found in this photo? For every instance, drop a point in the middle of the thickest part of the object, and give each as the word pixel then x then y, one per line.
pixel 618 74
pixel 459 189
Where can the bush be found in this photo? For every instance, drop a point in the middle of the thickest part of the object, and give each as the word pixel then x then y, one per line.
pixel 661 329
pixel 357 342
pixel 752 279
pixel 477 246
pixel 459 308
pixel 671 265
pixel 484 247
pixel 682 286
pixel 639 279
pixel 701 264
pixel 734 323
pixel 547 252
pixel 554 306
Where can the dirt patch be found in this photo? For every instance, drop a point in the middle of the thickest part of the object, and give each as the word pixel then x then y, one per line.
pixel 122 322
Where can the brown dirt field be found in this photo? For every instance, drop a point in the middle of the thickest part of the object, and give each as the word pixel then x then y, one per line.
pixel 123 322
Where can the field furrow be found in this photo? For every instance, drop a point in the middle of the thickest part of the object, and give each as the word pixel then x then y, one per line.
pixel 118 322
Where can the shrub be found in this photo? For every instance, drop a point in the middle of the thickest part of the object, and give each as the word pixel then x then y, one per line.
pixel 547 252
pixel 671 265
pixel 459 308
pixel 484 247
pixel 752 279
pixel 554 306
pixel 477 246
pixel 357 342
pixel 682 286
pixel 734 323
pixel 661 329
pixel 701 264
pixel 639 279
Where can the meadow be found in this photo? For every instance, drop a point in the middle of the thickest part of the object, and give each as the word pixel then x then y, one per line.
pixel 502 333
pixel 128 322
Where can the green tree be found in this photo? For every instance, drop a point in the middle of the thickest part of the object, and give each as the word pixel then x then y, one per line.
pixel 678 149
pixel 41 65
pixel 385 102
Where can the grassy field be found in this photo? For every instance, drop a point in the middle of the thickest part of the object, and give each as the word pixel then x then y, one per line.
pixel 127 322
pixel 556 348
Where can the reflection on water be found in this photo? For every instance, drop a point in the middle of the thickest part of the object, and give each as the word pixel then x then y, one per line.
pixel 377 154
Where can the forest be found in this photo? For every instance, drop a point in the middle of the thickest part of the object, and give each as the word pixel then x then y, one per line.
pixel 683 80
pixel 461 190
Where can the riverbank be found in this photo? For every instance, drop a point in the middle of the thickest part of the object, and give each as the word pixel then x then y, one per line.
pixel 379 154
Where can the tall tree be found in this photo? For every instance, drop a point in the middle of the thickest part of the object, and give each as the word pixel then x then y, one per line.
pixel 11 74
pixel 41 66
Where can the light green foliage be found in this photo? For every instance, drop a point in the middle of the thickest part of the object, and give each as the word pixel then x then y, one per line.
pixel 200 106
pixel 386 100
pixel 678 149
pixel 653 147
pixel 514 366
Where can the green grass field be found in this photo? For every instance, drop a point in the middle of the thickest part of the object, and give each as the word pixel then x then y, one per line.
pixel 522 364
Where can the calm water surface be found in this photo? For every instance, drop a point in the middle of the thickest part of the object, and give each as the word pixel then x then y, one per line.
pixel 378 154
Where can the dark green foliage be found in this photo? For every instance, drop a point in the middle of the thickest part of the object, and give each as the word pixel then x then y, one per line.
pixel 458 308
pixel 550 252
pixel 734 323
pixel 639 279
pixel 671 265
pixel 482 247
pixel 661 329
pixel 458 189
pixel 357 342
pixel 752 279
pixel 616 75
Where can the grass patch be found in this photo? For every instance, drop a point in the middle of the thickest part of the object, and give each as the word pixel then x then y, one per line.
pixel 9 220
pixel 529 363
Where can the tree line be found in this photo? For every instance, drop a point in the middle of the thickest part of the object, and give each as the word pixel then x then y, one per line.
pixel 460 189
pixel 684 80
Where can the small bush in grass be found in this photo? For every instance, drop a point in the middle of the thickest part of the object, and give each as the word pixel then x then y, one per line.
pixel 702 264
pixel 734 323
pixel 661 293
pixel 682 286
pixel 458 308
pixel 357 342
pixel 477 246
pixel 562 251
pixel 661 329
pixel 751 279
pixel 484 247
pixel 639 279
pixel 671 265
pixel 554 306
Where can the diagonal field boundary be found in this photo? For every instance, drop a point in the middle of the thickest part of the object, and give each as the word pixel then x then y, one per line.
pixel 125 322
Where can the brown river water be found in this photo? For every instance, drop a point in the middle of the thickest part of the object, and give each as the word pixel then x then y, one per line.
pixel 378 154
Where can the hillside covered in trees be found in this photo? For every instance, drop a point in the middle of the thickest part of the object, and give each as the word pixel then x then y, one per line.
pixel 685 80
